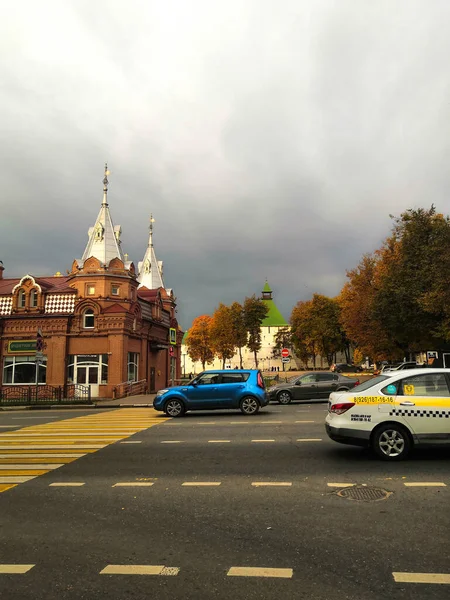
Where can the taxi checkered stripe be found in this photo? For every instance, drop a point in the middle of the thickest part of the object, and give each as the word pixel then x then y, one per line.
pixel 441 414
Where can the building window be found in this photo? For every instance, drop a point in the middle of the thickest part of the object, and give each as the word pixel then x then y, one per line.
pixel 88 319
pixel 33 299
pixel 21 299
pixel 22 370
pixel 133 364
pixel 114 290
pixel 91 290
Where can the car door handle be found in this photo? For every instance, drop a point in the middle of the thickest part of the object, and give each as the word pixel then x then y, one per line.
pixel 407 403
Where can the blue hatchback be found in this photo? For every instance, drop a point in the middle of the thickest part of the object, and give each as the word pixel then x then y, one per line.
pixel 212 390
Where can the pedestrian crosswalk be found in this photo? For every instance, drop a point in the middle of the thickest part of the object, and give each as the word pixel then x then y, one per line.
pixel 35 450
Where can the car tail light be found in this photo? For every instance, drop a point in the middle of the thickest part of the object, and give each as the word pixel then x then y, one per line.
pixel 341 407
pixel 260 381
pixel 357 382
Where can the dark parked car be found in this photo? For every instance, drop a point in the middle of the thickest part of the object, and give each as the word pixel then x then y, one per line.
pixel 345 368
pixel 311 386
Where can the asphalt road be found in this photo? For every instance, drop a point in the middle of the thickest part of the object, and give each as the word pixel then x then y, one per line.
pixel 236 537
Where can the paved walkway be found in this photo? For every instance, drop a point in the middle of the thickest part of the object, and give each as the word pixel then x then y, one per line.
pixel 140 400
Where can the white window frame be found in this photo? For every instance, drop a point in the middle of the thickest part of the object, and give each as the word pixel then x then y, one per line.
pixel 88 313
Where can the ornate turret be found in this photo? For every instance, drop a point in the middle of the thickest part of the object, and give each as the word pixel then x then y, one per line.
pixel 104 237
pixel 150 270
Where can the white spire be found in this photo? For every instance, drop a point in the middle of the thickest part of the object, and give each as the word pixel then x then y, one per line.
pixel 104 237
pixel 150 269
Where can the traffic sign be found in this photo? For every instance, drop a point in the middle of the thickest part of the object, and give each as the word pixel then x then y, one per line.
pixel 285 359
pixel 285 353
pixel 39 358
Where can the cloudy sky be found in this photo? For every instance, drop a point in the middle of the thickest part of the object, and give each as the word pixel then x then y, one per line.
pixel 269 138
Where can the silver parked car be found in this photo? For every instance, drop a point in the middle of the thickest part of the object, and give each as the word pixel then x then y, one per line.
pixel 311 386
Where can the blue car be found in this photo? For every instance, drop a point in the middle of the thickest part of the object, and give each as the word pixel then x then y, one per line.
pixel 212 390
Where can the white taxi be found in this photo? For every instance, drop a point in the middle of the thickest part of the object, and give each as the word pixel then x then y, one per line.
pixel 393 412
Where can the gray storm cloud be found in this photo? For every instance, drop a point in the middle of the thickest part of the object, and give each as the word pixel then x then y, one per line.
pixel 268 138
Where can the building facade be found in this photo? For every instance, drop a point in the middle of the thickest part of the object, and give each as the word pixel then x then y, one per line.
pixel 103 324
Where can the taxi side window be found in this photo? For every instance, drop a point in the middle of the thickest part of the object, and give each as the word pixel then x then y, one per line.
pixel 431 384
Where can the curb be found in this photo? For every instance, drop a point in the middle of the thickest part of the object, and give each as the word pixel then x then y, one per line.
pixel 72 407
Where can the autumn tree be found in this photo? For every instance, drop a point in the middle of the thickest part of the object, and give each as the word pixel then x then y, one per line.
pixel 239 334
pixel 409 292
pixel 255 311
pixel 302 332
pixel 317 329
pixel 222 333
pixel 198 341
pixel 357 316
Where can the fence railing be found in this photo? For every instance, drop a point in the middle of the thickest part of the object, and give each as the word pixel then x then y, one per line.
pixel 130 388
pixel 22 395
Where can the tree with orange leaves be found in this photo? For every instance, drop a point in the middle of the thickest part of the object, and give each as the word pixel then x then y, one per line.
pixel 198 341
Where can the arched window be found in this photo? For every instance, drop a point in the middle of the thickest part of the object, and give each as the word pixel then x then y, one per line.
pixel 21 299
pixel 88 319
pixel 33 298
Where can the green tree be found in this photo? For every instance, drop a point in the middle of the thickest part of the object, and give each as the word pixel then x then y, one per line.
pixel 255 311
pixel 222 334
pixel 238 328
pixel 198 341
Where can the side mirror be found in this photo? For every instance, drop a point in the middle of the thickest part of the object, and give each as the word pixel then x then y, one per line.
pixel 194 383
pixel 298 382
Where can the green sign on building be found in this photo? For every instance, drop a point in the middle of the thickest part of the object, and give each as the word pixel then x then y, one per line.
pixel 22 347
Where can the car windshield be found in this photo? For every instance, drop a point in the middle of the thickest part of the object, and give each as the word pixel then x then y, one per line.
pixel 365 385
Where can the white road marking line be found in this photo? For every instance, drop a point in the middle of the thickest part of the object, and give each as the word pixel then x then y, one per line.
pixel 424 484
pixel 16 479
pixel 66 484
pixel 17 467
pixel 272 483
pixel 259 572
pixel 139 570
pixel 172 442
pixel 341 485
pixel 201 483
pixel 422 578
pixel 132 442
pixel 304 421
pixel 219 441
pixel 309 440
pixel 258 441
pixel 205 423
pixel 19 455
pixel 48 446
pixel 134 484
pixel 15 569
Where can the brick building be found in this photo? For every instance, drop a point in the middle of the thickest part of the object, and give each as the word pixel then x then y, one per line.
pixel 103 324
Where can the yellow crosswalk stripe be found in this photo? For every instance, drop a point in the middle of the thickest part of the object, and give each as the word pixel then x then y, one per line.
pixel 28 452
pixel 6 486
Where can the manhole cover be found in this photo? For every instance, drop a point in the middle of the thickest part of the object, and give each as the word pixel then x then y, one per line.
pixel 364 493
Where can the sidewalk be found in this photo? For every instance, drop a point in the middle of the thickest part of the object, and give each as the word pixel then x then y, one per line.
pixel 139 401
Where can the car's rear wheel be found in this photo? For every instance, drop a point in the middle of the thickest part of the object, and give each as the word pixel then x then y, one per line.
pixel 249 405
pixel 284 397
pixel 391 442
pixel 174 408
